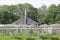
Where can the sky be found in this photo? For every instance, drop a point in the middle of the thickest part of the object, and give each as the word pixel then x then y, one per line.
pixel 35 3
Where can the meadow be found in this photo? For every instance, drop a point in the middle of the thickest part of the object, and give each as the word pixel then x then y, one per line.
pixel 30 37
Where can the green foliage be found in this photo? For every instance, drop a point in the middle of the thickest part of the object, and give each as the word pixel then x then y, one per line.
pixel 31 32
pixel 42 15
pixel 52 15
pixel 30 37
pixel 42 12
pixel 7 17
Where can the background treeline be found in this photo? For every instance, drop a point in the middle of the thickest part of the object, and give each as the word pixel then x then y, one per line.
pixel 42 15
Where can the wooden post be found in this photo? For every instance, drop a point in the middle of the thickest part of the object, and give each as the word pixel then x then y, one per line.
pixel 6 31
pixel 17 30
pixel 25 20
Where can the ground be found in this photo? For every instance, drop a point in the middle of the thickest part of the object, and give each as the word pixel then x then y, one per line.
pixel 30 37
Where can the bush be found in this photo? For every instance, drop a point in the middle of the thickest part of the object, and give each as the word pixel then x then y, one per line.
pixel 30 39
pixel 43 37
pixel 54 38
pixel 18 38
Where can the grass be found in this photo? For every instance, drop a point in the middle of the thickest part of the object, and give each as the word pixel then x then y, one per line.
pixel 30 37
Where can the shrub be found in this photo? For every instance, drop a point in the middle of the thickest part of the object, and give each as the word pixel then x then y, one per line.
pixel 30 39
pixel 18 38
pixel 31 32
pixel 54 38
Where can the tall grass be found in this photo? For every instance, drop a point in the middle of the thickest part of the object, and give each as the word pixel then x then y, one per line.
pixel 30 37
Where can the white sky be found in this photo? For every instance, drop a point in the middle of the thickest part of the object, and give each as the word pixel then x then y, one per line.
pixel 35 3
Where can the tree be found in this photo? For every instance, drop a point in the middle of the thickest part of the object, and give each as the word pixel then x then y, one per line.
pixel 13 12
pixel 42 14
pixel 51 14
pixel 10 13
pixel 7 17
pixel 31 11
pixel 58 14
